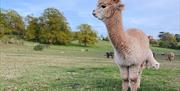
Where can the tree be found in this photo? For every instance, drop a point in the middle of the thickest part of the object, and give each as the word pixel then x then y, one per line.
pixel 104 38
pixel 12 23
pixel 87 35
pixel 166 36
pixel 54 28
pixel 168 40
pixel 177 37
pixel 32 31
pixel 75 35
pixel 3 23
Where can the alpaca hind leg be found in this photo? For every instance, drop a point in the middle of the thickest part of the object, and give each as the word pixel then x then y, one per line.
pixel 124 76
pixel 140 72
pixel 139 77
pixel 139 81
pixel 133 77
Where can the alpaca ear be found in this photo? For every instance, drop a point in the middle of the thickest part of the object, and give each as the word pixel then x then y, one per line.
pixel 116 1
pixel 120 6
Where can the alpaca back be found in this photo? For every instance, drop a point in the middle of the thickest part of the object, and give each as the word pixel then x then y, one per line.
pixel 138 37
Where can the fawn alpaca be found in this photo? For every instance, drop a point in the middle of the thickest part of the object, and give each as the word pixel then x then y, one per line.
pixel 131 47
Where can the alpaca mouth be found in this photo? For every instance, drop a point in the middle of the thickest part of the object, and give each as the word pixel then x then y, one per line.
pixel 156 66
pixel 99 18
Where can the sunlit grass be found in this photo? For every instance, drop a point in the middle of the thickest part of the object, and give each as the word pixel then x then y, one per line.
pixel 70 68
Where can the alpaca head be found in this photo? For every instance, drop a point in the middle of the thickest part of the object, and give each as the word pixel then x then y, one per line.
pixel 106 8
pixel 154 65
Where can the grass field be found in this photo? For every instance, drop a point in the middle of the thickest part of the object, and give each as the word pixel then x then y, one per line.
pixel 71 68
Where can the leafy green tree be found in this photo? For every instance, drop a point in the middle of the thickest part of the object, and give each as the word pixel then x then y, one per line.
pixel 177 37
pixel 32 31
pixel 164 44
pixel 104 38
pixel 168 40
pixel 54 28
pixel 12 23
pixel 3 23
pixel 87 35
pixel 166 36
pixel 2 31
pixel 75 35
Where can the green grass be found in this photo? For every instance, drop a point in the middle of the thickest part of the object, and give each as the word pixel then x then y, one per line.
pixel 71 68
pixel 165 50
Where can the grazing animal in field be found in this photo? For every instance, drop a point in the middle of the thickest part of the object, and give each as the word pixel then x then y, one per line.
pixel 110 54
pixel 131 47
pixel 171 56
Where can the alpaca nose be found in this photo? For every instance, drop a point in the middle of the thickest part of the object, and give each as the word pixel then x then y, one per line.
pixel 93 13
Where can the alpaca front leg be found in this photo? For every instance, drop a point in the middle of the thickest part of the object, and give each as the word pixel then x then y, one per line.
pixel 125 80
pixel 133 77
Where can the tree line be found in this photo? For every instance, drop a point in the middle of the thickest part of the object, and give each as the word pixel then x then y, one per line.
pixel 52 28
pixel 166 40
pixel 49 28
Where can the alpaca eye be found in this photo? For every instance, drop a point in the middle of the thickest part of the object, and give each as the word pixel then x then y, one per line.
pixel 103 6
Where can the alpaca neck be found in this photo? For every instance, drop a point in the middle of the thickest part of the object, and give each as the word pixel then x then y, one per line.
pixel 116 33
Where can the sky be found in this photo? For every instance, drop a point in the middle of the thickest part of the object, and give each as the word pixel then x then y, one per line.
pixel 151 16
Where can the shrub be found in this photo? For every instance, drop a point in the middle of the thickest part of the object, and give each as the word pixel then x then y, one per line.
pixel 38 47
pixel 154 42
pixel 164 44
pixel 174 45
pixel 105 39
pixel 5 39
pixel 167 44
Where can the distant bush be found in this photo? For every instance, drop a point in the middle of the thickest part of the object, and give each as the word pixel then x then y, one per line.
pixel 38 47
pixel 174 45
pixel 5 39
pixel 167 44
pixel 164 44
pixel 154 42
pixel 105 38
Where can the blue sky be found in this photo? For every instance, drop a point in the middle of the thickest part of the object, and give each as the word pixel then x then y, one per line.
pixel 151 16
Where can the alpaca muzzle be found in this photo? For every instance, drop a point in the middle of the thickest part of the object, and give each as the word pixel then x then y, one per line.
pixel 93 13
pixel 156 66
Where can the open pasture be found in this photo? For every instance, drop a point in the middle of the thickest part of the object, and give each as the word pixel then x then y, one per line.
pixel 72 68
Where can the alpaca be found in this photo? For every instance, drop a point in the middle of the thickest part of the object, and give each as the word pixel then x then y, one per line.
pixel 131 47
pixel 110 55
pixel 171 56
